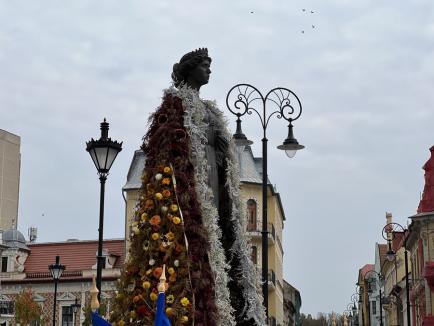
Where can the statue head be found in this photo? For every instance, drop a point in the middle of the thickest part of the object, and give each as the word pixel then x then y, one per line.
pixel 193 69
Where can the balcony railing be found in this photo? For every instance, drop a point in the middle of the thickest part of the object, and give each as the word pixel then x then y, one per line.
pixel 256 232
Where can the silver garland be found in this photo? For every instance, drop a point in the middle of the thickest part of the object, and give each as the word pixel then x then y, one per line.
pixel 249 279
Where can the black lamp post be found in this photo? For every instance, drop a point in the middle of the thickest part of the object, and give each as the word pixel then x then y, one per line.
pixel 378 278
pixel 103 153
pixel 75 308
pixel 388 234
pixel 242 99
pixel 56 271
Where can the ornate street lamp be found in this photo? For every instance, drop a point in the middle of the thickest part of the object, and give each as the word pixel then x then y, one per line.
pixel 388 234
pixel 103 153
pixel 245 98
pixel 378 279
pixel 75 308
pixel 56 271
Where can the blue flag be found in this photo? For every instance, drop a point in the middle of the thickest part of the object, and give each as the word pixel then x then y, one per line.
pixel 97 320
pixel 160 317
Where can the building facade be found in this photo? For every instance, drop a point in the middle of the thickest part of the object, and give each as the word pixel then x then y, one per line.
pixel 25 265
pixel 10 162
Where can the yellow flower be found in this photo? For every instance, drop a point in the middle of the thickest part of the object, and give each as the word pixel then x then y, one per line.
pixel 174 207
pixel 146 285
pixel 167 169
pixel 184 319
pixel 121 323
pixel 144 216
pixel 155 236
pixel 170 236
pixel 171 270
pixel 168 311
pixel 153 296
pixel 170 298
pixel 185 302
pixel 158 196
pixel 176 220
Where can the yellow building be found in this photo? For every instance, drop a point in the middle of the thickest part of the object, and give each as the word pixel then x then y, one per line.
pixel 10 161
pixel 251 192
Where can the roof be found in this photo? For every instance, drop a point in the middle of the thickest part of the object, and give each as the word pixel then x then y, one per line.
pixel 14 239
pixel 75 255
pixel 426 203
pixel 382 249
pixel 135 172
pixel 364 270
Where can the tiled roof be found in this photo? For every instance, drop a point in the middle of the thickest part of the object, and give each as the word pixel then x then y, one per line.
pixel 75 255
pixel 382 248
pixel 426 204
pixel 364 270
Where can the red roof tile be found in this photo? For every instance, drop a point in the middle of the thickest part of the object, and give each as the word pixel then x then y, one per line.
pixel 75 255
pixel 426 204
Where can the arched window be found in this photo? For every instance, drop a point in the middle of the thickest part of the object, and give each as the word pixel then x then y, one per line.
pixel 251 215
pixel 254 255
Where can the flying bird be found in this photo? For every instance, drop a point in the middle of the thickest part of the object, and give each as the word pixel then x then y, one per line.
pixel 303 9
pixel 252 12
pixel 313 26
pixel 311 12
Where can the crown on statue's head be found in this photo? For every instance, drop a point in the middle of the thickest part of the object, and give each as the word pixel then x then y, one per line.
pixel 201 52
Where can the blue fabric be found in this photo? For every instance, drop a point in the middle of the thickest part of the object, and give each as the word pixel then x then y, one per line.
pixel 160 317
pixel 97 320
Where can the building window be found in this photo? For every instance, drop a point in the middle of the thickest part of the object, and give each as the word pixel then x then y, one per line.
pixel 374 307
pixel 67 316
pixel 254 255
pixel 4 264
pixel 6 307
pixel 251 215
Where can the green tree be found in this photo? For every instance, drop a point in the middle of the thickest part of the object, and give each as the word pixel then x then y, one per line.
pixel 27 310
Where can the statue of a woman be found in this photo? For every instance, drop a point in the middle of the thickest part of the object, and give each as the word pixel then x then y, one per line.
pixel 188 137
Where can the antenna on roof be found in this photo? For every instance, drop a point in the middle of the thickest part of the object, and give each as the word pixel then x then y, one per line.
pixel 33 233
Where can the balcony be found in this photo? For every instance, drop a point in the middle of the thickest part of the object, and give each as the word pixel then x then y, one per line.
pixel 271 280
pixel 255 233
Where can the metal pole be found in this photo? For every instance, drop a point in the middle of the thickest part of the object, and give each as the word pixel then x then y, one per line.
pixel 102 179
pixel 264 226
pixel 54 305
pixel 381 308
pixel 407 287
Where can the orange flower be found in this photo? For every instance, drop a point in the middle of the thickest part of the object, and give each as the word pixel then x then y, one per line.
pixel 157 272
pixel 179 248
pixel 149 204
pixel 166 181
pixel 155 220
pixel 172 278
pixel 166 193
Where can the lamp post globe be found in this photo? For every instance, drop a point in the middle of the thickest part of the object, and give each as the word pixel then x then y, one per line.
pixel 56 271
pixel 103 153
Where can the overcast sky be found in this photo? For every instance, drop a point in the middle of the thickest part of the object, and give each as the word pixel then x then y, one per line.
pixel 364 74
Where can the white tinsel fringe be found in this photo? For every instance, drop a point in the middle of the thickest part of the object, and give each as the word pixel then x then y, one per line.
pixel 250 282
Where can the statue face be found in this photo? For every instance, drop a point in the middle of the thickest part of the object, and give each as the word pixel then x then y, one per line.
pixel 200 74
